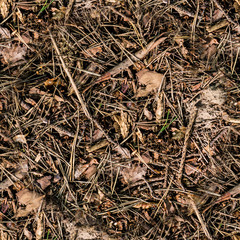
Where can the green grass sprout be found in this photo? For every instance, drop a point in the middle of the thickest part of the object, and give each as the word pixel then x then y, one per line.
pixel 45 6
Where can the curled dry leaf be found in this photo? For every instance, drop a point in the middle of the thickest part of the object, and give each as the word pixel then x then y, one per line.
pixel 44 181
pixel 20 138
pixel 4 33
pixel 160 108
pixel 4 7
pixel 124 152
pixel 152 80
pixel 124 123
pixel 27 234
pixel 180 41
pixel 93 51
pixel 147 114
pixel 31 199
pixel 133 173
pixel 86 170
pixel 143 205
pixel 209 49
pixel 40 229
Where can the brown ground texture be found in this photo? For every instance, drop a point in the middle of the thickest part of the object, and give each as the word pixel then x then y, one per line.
pixel 119 119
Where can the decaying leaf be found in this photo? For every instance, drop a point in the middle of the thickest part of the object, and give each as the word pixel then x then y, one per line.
pixel 4 33
pixel 90 171
pixel 44 181
pixel 178 134
pixel 140 135
pixel 40 229
pixel 13 54
pixel 19 174
pixel 133 173
pixel 32 200
pixel 124 152
pixel 27 234
pixel 147 114
pixel 4 7
pixel 97 135
pixel 180 41
pixel 124 123
pixel 152 80
pixel 209 49
pixel 143 205
pixel 86 170
pixel 20 138
pixel 93 51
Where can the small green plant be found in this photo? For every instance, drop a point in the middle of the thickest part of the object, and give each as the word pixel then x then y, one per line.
pixel 45 6
pixel 166 124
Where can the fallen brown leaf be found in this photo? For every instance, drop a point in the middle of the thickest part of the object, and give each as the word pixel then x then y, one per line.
pixel 31 199
pixel 124 123
pixel 20 138
pixel 86 170
pixel 209 49
pixel 20 173
pixel 4 33
pixel 133 173
pixel 147 114
pixel 93 51
pixel 13 54
pixel 152 80
pixel 27 234
pixel 44 181
pixel 124 152
pixel 97 135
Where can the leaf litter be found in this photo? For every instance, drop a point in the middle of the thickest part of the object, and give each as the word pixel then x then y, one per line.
pixel 115 114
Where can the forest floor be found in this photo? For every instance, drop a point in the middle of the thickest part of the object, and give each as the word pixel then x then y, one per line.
pixel 119 119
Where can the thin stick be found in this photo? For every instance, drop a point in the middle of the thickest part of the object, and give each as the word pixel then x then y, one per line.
pixel 80 98
pixel 203 224
pixel 140 55
pixel 184 151
pixel 225 14
pixel 127 62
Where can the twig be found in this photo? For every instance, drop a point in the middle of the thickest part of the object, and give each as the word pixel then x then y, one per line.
pixel 225 14
pixel 80 98
pixel 69 8
pixel 203 224
pixel 184 151
pixel 226 196
pixel 127 62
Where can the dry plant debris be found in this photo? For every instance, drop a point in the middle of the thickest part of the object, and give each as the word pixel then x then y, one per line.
pixel 119 119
